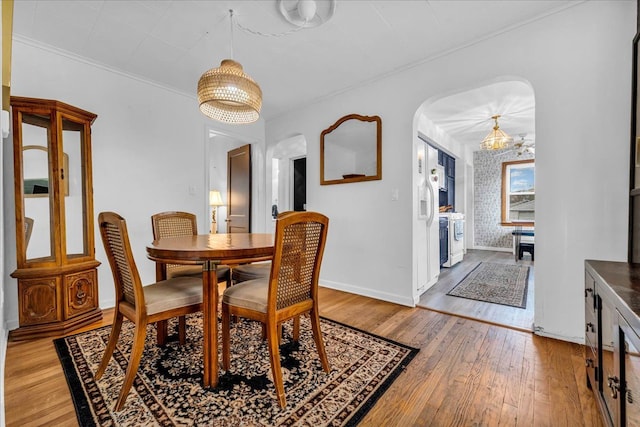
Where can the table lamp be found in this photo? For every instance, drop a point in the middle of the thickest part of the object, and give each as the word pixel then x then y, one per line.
pixel 215 200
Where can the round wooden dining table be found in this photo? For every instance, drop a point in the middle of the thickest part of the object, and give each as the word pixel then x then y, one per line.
pixel 211 250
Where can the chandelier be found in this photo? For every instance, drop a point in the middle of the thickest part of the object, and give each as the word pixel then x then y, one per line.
pixel 497 139
pixel 227 94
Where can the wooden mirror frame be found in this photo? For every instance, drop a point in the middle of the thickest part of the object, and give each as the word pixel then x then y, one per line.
pixel 353 178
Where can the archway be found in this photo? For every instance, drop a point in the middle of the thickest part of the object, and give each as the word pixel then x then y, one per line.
pixel 455 124
pixel 281 172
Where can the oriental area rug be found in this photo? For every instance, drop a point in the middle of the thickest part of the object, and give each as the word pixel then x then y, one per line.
pixel 168 391
pixel 495 283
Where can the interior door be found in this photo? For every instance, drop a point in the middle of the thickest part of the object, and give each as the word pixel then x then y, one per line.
pixel 300 184
pixel 239 190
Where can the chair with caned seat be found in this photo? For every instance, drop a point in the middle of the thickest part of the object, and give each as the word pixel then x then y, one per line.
pixel 177 224
pixel 142 305
pixel 290 290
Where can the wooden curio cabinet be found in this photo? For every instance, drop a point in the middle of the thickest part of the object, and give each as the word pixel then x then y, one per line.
pixel 55 248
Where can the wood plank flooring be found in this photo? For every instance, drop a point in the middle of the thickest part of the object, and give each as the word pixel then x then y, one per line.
pixel 436 298
pixel 466 373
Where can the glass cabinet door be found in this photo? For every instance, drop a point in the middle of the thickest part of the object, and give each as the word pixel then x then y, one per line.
pixel 73 180
pixel 610 378
pixel 630 374
pixel 52 161
pixel 37 191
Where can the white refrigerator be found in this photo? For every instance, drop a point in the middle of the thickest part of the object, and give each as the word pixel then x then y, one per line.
pixel 428 225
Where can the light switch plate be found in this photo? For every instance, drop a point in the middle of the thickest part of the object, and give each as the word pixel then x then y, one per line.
pixel 5 123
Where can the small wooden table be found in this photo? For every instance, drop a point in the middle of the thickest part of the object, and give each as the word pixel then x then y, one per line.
pixel 211 250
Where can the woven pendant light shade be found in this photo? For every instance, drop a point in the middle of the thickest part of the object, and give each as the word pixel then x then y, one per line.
pixel 228 95
pixel 497 139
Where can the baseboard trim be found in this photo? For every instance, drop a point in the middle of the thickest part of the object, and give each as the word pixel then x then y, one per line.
pixel 489 248
pixel 576 340
pixel 384 296
pixel 4 341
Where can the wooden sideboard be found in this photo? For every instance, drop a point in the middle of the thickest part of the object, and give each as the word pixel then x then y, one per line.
pixel 612 339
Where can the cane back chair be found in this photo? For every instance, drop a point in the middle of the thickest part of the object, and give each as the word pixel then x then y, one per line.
pixel 177 224
pixel 290 290
pixel 140 304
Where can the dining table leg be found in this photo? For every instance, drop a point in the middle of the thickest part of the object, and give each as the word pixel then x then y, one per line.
pixel 210 323
pixel 161 325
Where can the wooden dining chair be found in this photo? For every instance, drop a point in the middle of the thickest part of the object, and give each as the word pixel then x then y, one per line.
pixel 177 224
pixel 290 290
pixel 140 304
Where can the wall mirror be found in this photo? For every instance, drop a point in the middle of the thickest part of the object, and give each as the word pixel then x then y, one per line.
pixel 351 150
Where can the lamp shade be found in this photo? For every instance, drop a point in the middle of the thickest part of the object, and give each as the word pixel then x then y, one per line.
pixel 497 139
pixel 215 199
pixel 229 95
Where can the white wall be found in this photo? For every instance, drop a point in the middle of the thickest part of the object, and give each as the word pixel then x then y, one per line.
pixel 579 65
pixel 148 151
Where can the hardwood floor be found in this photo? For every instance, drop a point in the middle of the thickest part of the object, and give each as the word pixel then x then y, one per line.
pixel 466 373
pixel 436 297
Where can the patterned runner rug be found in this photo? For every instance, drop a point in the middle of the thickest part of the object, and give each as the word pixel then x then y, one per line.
pixel 168 388
pixel 496 283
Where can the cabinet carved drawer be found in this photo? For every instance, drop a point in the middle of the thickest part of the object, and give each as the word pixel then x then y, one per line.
pixel 81 293
pixel 40 302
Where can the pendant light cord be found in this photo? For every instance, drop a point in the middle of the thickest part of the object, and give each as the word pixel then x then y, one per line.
pixel 258 33
pixel 231 25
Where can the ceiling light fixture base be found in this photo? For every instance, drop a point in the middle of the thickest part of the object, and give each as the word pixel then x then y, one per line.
pixel 307 13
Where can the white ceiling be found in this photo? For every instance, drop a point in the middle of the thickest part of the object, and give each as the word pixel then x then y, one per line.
pixel 173 42
pixel 466 116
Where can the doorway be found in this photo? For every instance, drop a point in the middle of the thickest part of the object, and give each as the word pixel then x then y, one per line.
pixel 287 175
pixel 217 147
pixel 239 190
pixel 458 123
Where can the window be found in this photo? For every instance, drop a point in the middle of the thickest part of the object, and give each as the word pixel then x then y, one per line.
pixel 518 192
